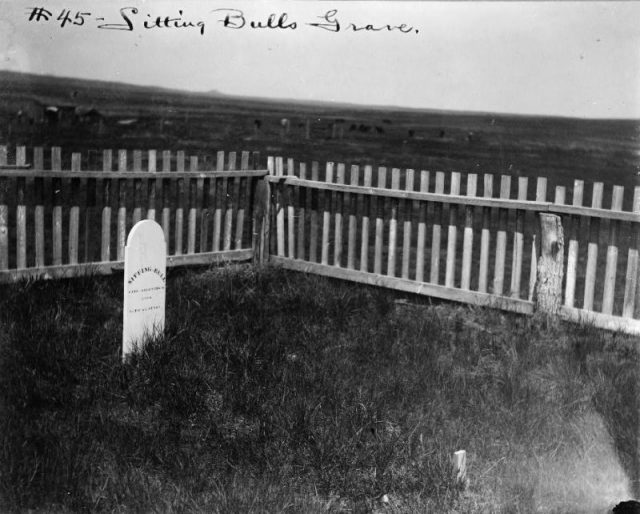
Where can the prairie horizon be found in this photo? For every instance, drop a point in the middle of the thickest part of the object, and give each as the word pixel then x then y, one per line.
pixel 9 75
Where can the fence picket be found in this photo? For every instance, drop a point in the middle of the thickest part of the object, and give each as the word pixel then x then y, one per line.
pixel 122 206
pixel 21 211
pixel 485 237
pixel 271 225
pixel 422 228
pixel 291 212
pixel 501 237
pixel 105 236
pixel 206 213
pixel 179 218
pixel 393 225
pixel 326 216
pixel 241 199
pixel 452 233
pixel 192 217
pixel 165 194
pixel 235 199
pixel 572 256
pixel 378 206
pixel 352 206
pixel 219 187
pixel 631 282
pixel 56 201
pixel 366 212
pixel 437 231
pixel 592 248
pixel 467 243
pixel 518 241
pixel 38 196
pixel 339 207
pixel 89 214
pixel 228 186
pixel 74 210
pixel 303 195
pixel 280 236
pixel 136 215
pixel 612 253
pixel 4 213
pixel 202 212
pixel 314 206
pixel 152 185
pixel 407 210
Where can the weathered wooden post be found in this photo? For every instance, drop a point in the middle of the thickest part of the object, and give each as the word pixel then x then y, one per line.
pixel 261 218
pixel 548 295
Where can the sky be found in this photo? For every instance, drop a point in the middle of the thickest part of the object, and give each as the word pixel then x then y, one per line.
pixel 578 59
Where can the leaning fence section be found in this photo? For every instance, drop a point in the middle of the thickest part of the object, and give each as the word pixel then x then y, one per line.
pixel 57 219
pixel 462 237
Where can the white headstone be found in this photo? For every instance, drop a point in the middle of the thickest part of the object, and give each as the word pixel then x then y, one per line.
pixel 145 264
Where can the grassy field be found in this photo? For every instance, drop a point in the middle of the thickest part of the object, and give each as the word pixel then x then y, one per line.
pixel 562 149
pixel 280 392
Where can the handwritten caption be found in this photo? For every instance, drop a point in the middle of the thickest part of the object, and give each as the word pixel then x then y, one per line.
pixel 130 19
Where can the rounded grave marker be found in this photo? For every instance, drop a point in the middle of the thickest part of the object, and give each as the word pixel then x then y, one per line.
pixel 145 264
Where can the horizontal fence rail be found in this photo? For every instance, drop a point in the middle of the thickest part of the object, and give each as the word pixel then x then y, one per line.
pixel 468 238
pixel 525 205
pixel 58 220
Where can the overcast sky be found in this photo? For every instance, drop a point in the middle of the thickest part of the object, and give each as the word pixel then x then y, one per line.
pixel 577 59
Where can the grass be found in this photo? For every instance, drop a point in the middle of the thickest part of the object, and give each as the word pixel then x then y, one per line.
pixel 273 391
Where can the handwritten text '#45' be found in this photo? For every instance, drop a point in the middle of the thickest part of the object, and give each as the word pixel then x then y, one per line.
pixel 236 19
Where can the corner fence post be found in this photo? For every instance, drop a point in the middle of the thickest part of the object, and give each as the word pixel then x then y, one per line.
pixel 548 294
pixel 261 219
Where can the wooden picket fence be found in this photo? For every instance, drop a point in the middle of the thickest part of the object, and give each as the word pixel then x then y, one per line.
pixel 58 221
pixel 446 235
pixel 421 233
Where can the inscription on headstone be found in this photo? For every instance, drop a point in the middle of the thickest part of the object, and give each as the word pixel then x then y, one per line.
pixel 145 264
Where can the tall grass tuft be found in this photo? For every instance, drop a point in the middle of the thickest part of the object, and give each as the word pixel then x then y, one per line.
pixel 272 391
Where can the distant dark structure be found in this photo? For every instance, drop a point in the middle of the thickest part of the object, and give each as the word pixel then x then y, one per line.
pixel 442 134
pixel 88 114
pixel 386 121
pixel 412 133
pixel 337 128
pixel 30 113
pixel 90 118
pixel 285 125
pixel 45 114
pixel 257 125
pixel 379 130
pixel 60 115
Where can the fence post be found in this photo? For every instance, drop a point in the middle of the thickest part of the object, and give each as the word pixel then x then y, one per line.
pixel 548 295
pixel 261 220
